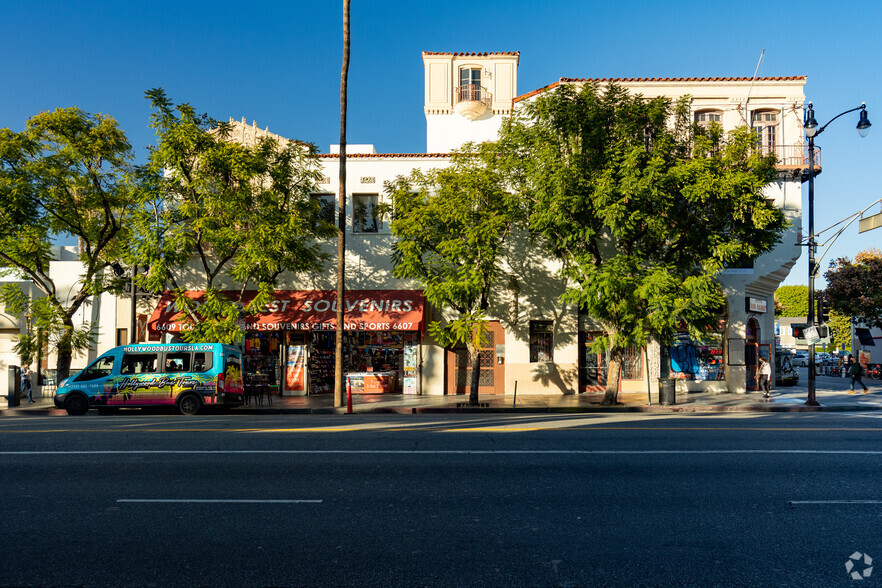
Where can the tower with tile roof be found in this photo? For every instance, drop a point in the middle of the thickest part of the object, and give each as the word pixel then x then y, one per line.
pixel 466 96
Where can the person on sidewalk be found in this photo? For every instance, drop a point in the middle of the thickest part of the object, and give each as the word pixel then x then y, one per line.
pixel 26 383
pixel 764 374
pixel 857 372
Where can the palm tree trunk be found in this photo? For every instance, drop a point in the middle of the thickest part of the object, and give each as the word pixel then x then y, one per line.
pixel 339 377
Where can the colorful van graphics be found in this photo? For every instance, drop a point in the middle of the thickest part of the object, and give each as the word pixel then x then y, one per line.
pixel 188 376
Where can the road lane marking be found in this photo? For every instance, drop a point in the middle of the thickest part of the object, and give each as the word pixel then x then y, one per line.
pixel 218 501
pixel 834 501
pixel 501 428
pixel 450 452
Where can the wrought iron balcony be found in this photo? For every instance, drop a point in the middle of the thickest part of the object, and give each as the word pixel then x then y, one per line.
pixel 793 157
pixel 472 100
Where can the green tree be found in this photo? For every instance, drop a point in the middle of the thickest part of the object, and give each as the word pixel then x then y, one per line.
pixel 68 173
pixel 219 212
pixel 791 301
pixel 642 208
pixel 840 331
pixel 451 227
pixel 853 287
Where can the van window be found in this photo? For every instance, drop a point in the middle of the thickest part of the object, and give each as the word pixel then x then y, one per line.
pixel 101 368
pixel 138 363
pixel 202 362
pixel 177 362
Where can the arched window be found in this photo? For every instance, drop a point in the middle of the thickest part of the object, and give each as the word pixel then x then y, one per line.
pixel 765 126
pixel 469 84
pixel 705 117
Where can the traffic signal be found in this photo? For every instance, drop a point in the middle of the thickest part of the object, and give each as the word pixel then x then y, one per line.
pixel 798 331
pixel 823 309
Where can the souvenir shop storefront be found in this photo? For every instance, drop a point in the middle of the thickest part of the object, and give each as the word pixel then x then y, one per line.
pixel 290 346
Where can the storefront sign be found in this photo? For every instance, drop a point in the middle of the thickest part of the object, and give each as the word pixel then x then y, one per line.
pixel 310 310
pixel 756 304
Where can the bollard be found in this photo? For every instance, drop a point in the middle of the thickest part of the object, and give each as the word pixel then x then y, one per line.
pixel 348 396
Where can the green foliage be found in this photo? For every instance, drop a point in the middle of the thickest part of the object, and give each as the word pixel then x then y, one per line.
pixel 451 227
pixel 222 211
pixel 840 331
pixel 68 173
pixel 642 209
pixel 854 287
pixel 791 301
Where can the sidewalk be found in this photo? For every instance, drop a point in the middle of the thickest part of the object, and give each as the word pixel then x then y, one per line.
pixel 831 393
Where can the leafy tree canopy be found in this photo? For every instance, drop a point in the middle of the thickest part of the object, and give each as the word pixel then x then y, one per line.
pixel 213 210
pixel 854 286
pixel 642 209
pixel 791 301
pixel 68 173
pixel 451 227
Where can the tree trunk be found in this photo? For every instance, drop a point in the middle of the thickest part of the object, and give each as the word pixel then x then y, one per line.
pixel 65 351
pixel 614 376
pixel 339 376
pixel 475 364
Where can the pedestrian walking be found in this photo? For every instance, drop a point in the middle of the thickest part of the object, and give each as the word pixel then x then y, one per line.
pixel 764 375
pixel 857 372
pixel 26 382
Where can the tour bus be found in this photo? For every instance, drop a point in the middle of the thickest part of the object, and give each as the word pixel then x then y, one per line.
pixel 188 377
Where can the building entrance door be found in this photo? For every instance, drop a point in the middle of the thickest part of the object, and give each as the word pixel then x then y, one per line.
pixel 491 379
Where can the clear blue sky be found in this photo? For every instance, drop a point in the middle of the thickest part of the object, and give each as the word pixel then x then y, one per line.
pixel 279 63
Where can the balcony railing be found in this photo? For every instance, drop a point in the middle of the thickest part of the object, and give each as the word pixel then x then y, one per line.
pixel 792 156
pixel 473 93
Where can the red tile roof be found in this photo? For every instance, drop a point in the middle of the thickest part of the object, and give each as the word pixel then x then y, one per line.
pixel 466 54
pixel 668 80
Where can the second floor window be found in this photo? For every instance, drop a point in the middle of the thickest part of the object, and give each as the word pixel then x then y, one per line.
pixel 765 127
pixel 327 207
pixel 364 213
pixel 706 117
pixel 470 84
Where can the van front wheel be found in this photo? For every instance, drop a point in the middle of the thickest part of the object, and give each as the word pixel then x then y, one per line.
pixel 76 405
pixel 189 404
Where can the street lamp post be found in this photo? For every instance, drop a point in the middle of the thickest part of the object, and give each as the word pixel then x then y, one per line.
pixel 812 130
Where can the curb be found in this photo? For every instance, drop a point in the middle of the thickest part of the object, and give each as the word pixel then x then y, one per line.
pixel 675 409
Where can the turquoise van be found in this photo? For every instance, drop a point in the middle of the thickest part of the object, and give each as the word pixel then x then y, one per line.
pixel 186 376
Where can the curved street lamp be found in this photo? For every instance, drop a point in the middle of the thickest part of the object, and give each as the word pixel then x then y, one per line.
pixel 810 125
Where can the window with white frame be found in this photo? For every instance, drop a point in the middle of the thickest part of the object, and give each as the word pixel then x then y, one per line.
pixel 364 213
pixel 765 126
pixel 469 84
pixel 705 117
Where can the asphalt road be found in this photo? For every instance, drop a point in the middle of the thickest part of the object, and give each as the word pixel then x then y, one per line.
pixel 449 500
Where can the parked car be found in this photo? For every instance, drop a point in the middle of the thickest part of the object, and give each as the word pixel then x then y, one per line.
pixel 800 359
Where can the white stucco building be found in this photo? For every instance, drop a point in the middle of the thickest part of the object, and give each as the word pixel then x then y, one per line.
pixel 536 344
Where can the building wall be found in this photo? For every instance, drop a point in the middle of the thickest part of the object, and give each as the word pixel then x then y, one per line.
pixel 529 291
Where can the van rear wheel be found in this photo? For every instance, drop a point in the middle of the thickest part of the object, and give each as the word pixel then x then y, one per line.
pixel 189 404
pixel 76 405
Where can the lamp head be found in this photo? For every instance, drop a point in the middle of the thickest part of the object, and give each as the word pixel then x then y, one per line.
pixel 810 125
pixel 863 125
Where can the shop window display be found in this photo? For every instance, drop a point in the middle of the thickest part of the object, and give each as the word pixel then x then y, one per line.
pixel 698 361
pixel 262 360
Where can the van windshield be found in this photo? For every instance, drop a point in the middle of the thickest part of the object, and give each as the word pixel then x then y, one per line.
pixel 101 368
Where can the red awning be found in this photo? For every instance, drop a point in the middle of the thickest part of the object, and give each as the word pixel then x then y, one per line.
pixel 310 310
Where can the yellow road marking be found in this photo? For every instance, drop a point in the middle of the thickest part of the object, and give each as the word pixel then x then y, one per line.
pixel 464 429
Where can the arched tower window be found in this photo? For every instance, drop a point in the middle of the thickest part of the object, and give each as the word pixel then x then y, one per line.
pixel 469 84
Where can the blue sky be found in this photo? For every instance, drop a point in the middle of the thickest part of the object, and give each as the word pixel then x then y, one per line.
pixel 279 63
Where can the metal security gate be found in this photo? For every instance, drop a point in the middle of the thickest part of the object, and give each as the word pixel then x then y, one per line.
pixel 491 378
